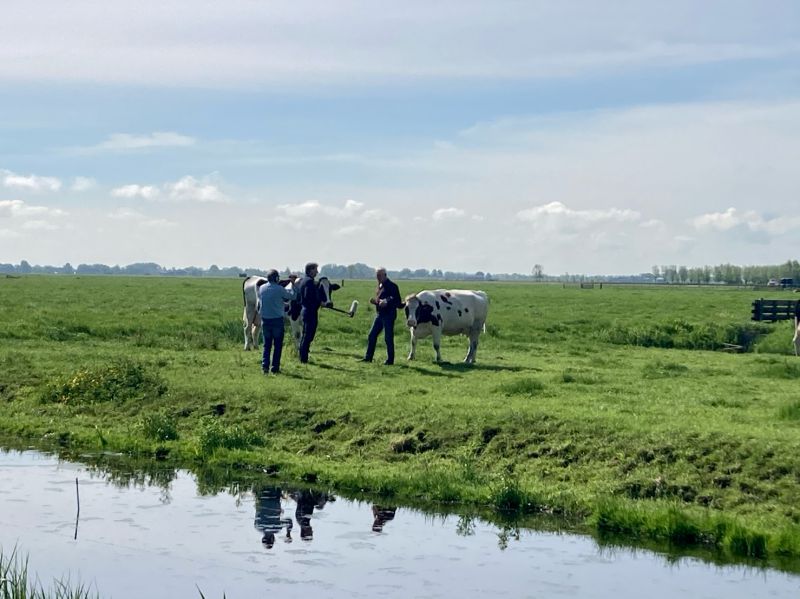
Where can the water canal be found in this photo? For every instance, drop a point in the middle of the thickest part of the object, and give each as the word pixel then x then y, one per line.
pixel 169 540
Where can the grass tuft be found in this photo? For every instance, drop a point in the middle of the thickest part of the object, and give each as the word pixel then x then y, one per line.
pixel 119 382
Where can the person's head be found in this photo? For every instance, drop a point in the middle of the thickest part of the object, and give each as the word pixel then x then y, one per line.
pixel 312 268
pixel 380 274
pixel 273 276
pixel 268 540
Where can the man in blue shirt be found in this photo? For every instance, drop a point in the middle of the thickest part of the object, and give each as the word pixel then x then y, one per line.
pixel 308 296
pixel 272 296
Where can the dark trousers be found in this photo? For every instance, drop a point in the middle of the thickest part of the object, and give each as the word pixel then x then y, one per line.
pixel 383 322
pixel 272 329
pixel 310 319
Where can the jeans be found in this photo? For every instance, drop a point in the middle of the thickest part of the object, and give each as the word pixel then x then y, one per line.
pixel 383 322
pixel 272 329
pixel 310 319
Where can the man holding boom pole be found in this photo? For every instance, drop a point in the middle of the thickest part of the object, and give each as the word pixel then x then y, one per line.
pixel 387 302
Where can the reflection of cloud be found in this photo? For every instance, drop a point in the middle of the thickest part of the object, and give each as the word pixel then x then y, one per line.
pixel 750 220
pixel 29 183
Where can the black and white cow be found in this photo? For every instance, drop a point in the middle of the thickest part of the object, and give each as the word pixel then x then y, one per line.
pixel 446 312
pixel 251 319
pixel 796 338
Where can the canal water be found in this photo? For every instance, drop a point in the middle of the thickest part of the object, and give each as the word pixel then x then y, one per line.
pixel 170 541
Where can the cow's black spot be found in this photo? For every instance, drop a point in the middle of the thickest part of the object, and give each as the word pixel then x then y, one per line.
pixel 438 307
pixel 447 293
pixel 466 310
pixel 425 314
pixel 448 307
pixel 459 313
pixel 444 298
pixel 260 282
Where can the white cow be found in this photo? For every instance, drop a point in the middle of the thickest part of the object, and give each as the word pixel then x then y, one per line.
pixel 251 319
pixel 446 312
pixel 796 339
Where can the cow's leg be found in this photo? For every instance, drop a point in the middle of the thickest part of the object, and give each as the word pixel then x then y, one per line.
pixel 296 326
pixel 256 329
pixel 413 351
pixel 437 342
pixel 473 347
pixel 796 339
pixel 474 335
pixel 248 339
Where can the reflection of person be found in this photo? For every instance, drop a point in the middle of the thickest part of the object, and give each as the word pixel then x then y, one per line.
pixel 306 502
pixel 271 296
pixel 308 296
pixel 269 518
pixel 387 302
pixel 381 516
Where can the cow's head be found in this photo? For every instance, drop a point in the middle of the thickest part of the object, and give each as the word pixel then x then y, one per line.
pixel 325 289
pixel 418 312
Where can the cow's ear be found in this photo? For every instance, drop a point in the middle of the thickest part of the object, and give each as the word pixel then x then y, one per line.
pixel 335 286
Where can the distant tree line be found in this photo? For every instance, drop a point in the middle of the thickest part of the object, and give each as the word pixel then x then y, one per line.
pixel 730 274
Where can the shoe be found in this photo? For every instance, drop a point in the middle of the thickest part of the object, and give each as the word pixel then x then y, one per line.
pixel 265 372
pixel 365 359
pixel 275 371
pixel 388 363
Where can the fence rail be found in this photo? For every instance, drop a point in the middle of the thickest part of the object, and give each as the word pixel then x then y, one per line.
pixel 775 309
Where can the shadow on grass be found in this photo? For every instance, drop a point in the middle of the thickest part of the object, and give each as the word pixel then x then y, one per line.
pixel 426 372
pixel 462 367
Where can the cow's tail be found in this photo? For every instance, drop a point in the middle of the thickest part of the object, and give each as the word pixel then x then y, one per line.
pixel 244 298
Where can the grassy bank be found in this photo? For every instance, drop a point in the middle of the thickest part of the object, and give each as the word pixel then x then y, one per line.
pixel 16 582
pixel 612 406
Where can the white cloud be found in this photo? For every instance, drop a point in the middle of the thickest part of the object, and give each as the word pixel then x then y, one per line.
pixel 20 209
pixel 186 189
pixel 733 219
pixel 311 41
pixel 158 139
pixel 556 211
pixel 30 182
pixel 147 192
pixel 448 214
pixel 83 184
pixel 349 218
pixel 189 189
pixel 134 216
pixel 39 225
pixel 9 234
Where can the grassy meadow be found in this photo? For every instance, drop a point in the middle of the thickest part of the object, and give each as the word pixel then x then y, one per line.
pixel 615 407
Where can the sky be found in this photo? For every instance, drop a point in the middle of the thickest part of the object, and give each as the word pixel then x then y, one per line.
pixel 588 137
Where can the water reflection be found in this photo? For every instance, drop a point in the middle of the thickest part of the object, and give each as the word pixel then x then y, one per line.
pixel 381 515
pixel 270 520
pixel 134 544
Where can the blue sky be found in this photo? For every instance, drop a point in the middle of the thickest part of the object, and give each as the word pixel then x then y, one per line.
pixel 588 137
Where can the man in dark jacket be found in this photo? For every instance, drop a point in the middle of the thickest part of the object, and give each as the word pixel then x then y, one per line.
pixel 308 295
pixel 387 302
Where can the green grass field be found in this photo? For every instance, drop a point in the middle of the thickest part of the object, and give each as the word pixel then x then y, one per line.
pixel 614 407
